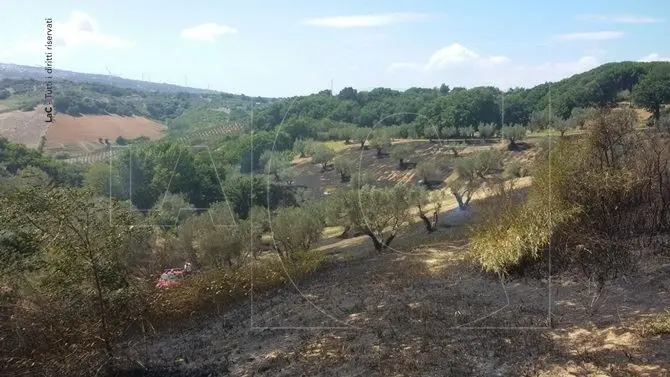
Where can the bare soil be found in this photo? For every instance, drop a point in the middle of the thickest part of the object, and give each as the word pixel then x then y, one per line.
pixel 77 135
pixel 80 134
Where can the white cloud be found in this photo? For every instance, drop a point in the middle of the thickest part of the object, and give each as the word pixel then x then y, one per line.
pixel 500 59
pixel 620 18
pixel 369 20
pixel 81 29
pixel 457 54
pixel 654 57
pixel 590 36
pixel 207 32
pixel 452 54
pixel 401 66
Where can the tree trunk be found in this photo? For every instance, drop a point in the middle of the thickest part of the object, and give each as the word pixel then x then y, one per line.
pixel 426 221
pixel 388 241
pixel 378 245
pixel 363 144
pixel 401 164
pixel 345 232
pixel 461 204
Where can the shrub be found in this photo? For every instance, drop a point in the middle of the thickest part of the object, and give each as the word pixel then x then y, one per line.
pixel 513 170
pixel 589 196
pixel 486 131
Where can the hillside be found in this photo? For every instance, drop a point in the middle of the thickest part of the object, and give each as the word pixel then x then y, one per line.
pixel 182 109
pixel 416 109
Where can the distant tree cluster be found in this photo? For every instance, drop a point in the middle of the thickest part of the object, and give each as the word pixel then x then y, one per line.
pixel 466 113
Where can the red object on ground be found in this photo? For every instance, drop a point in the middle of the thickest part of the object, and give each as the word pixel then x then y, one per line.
pixel 170 278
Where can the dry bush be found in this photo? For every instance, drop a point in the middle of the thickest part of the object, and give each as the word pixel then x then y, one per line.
pixel 218 288
pixel 589 197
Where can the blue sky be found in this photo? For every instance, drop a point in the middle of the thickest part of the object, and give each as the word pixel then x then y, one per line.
pixel 296 47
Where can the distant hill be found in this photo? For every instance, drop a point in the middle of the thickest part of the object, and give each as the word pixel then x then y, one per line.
pixel 14 71
pixel 181 109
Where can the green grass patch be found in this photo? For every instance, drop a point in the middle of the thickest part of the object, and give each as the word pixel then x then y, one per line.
pixel 656 325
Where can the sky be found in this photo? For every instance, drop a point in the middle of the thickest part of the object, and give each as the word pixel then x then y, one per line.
pixel 281 49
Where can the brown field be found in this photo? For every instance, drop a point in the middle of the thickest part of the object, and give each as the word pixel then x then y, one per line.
pixel 23 127
pixel 77 135
pixel 81 134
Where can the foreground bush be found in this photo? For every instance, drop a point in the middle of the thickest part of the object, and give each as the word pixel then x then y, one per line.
pixel 219 288
pixel 589 197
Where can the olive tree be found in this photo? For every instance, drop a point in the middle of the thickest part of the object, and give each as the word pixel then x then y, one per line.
pixel 513 133
pixel 295 229
pixel 380 142
pixel 470 172
pixel 450 132
pixel 345 167
pixel 88 248
pixel 422 199
pixel 429 173
pixel 431 133
pixel 304 147
pixel 378 212
pixel 171 210
pixel 276 163
pixel 323 155
pixel 401 152
pixel 361 135
pixel 486 130
pixel 216 237
pixel 563 126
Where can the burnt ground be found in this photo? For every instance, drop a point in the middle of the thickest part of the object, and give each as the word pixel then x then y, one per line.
pixel 385 169
pixel 422 311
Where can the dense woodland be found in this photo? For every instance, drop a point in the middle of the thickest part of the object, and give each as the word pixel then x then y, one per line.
pixel 79 245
